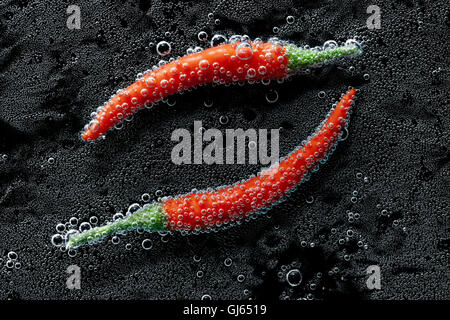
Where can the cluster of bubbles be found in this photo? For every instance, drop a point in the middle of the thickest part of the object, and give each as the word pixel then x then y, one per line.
pixel 68 230
pixel 65 231
pixel 11 261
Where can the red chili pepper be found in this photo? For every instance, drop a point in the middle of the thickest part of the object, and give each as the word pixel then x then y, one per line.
pixel 202 211
pixel 221 64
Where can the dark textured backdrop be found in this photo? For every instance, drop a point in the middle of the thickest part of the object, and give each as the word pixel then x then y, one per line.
pixel 396 157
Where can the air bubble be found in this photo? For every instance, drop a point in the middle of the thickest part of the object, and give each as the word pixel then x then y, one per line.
pixel 115 240
pixel 202 36
pixel 93 220
pixel 294 277
pixel 208 103
pixel 12 255
pixel 244 51
pixel 94 125
pixel 218 39
pixel 57 240
pixel 203 64
pixel 70 234
pixel 310 199
pixel 223 119
pixel 147 244
pixel 85 226
pixel 272 96
pixel 73 221
pixel 133 208
pixel 163 48
pixel 118 216
pixel 72 253
pixel 60 227
pixel 330 44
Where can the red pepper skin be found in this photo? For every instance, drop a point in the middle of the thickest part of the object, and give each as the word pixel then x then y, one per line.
pixel 218 64
pixel 207 210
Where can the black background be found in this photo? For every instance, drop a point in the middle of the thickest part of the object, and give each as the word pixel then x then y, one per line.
pixel 52 78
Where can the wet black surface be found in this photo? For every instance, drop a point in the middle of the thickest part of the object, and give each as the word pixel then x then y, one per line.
pixel 395 161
